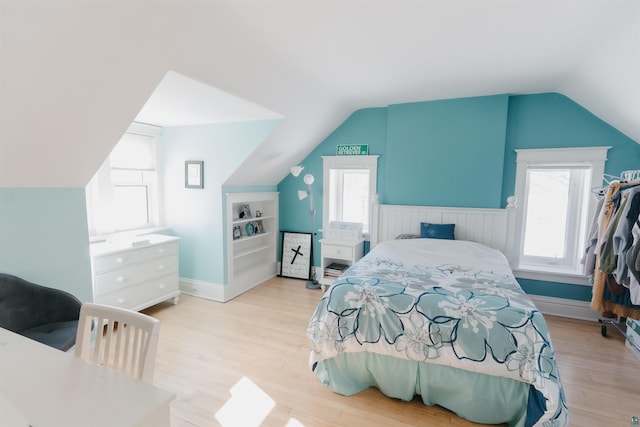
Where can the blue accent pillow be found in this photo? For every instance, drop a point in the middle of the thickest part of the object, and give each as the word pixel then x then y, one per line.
pixel 437 231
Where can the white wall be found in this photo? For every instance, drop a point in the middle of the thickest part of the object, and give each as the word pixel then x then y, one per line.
pixel 196 215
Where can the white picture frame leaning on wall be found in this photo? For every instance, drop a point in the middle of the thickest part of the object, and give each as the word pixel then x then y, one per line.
pixel 296 255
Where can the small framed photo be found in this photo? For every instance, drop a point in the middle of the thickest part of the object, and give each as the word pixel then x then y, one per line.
pixel 259 226
pixel 236 232
pixel 245 212
pixel 193 174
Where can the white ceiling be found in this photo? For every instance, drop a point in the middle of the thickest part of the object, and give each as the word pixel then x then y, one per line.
pixel 75 74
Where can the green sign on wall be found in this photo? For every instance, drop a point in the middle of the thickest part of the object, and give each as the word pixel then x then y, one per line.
pixel 353 150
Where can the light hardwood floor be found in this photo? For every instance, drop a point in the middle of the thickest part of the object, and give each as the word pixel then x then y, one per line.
pixel 225 362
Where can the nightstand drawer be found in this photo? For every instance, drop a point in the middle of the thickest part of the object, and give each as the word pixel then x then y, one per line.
pixel 336 251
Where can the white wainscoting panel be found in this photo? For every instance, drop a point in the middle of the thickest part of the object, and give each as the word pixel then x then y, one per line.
pixel 486 226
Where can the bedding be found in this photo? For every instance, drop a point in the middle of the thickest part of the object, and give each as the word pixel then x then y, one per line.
pixel 443 319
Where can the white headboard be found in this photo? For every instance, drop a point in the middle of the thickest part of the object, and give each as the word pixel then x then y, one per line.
pixel 492 227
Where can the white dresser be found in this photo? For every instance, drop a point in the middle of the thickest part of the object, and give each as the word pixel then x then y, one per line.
pixel 135 274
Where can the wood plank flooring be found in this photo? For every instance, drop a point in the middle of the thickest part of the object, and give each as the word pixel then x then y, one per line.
pixel 245 363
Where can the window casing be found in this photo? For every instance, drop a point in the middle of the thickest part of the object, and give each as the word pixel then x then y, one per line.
pixel 349 183
pixel 122 196
pixel 555 207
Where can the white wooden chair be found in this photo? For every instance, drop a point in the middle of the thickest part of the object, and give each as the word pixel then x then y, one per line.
pixel 128 344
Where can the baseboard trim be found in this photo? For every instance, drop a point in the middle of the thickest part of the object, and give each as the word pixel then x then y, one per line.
pixel 563 307
pixel 202 289
pixel 215 291
pixel 231 291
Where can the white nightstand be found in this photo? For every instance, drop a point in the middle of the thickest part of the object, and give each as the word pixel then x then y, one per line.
pixel 345 252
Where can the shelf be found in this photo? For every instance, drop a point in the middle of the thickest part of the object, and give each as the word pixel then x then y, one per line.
pixel 254 236
pixel 245 220
pixel 251 259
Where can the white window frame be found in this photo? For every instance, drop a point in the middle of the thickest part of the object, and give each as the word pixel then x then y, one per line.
pixel 592 158
pixel 100 192
pixel 348 162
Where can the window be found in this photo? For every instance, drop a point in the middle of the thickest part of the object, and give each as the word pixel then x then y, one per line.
pixel 122 195
pixel 349 183
pixel 556 205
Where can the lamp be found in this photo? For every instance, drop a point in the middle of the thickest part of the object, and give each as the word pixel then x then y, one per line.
pixel 296 170
pixel 303 194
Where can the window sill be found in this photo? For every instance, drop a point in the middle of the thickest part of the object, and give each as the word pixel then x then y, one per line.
pixel 551 274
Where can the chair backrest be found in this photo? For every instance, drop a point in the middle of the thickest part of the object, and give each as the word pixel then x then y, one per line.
pixel 125 340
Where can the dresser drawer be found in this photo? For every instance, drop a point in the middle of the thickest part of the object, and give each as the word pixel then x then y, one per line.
pixel 140 294
pixel 129 257
pixel 128 276
pixel 337 251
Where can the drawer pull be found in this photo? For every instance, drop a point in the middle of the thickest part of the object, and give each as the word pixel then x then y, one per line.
pixel 120 279
pixel 120 260
pixel 120 300
pixel 161 286
pixel 161 267
pixel 161 250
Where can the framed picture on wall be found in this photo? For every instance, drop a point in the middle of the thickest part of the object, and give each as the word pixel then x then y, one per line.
pixel 194 174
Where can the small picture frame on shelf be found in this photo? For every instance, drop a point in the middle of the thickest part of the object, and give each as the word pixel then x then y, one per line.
pixel 235 213
pixel 245 212
pixel 259 227
pixel 258 214
pixel 236 232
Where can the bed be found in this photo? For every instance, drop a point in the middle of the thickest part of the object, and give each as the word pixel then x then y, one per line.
pixel 442 319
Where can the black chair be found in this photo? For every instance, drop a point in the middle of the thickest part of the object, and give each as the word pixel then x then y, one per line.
pixel 44 314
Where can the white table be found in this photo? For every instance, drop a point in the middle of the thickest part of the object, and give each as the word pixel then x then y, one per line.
pixel 44 387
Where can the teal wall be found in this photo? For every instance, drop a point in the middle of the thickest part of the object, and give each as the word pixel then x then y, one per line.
pixel 419 135
pixel 363 127
pixel 460 152
pixel 196 216
pixel 552 120
pixel 44 238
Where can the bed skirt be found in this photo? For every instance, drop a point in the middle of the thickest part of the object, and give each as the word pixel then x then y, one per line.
pixel 473 396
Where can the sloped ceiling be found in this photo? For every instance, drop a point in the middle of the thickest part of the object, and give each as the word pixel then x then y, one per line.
pixel 75 74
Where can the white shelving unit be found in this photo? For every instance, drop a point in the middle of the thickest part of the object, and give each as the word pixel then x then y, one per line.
pixel 252 253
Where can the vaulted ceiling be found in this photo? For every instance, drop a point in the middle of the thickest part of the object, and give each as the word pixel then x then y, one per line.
pixel 74 74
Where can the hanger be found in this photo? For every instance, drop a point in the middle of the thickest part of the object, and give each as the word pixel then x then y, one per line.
pixel 630 175
pixel 609 178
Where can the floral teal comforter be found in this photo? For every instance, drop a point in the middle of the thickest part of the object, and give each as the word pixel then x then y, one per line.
pixel 409 300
